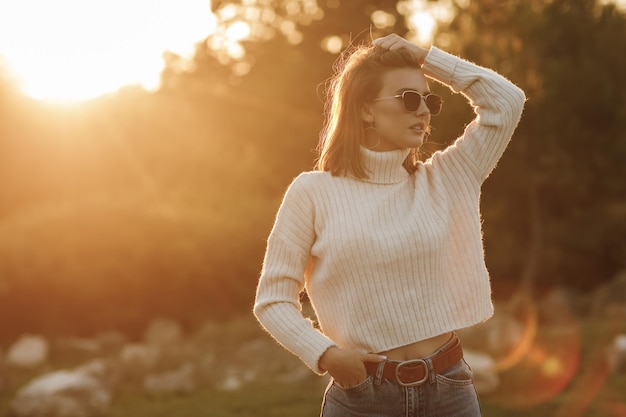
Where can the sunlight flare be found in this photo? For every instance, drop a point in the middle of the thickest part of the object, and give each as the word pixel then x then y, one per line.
pixel 424 25
pixel 423 17
pixel 77 49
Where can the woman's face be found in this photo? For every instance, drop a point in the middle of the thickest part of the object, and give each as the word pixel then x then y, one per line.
pixel 395 127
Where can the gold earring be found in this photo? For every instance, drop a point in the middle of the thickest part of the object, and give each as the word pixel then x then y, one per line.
pixel 371 126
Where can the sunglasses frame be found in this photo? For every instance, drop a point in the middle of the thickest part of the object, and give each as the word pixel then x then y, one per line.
pixel 423 98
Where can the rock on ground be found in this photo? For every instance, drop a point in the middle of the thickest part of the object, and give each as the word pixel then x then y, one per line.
pixel 65 393
pixel 29 351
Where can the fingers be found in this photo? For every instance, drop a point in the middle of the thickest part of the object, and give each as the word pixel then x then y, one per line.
pixel 356 374
pixel 391 42
pixel 346 366
pixel 372 357
pixel 350 377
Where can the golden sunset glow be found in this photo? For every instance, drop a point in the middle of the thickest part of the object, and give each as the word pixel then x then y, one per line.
pixel 71 50
pixel 76 49
pixel 423 17
pixel 146 147
pixel 620 4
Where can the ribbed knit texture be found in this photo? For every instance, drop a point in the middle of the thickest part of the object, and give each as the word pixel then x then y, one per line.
pixel 396 258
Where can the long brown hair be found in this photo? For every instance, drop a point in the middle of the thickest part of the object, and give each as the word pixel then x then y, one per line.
pixel 357 79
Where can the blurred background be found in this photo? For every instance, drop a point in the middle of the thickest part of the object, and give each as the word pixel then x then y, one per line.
pixel 145 147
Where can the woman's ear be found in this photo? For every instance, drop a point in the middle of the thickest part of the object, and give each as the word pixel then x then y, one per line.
pixel 366 114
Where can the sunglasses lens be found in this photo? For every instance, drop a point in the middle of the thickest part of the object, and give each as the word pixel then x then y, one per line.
pixel 434 103
pixel 411 100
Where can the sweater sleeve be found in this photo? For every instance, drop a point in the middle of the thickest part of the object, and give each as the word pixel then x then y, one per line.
pixel 498 104
pixel 277 305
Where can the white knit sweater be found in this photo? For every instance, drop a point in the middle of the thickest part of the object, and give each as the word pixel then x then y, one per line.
pixel 396 258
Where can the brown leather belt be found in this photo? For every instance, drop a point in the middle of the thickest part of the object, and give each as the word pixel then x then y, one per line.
pixel 415 371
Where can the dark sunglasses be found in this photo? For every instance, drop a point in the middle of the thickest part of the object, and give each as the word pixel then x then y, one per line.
pixel 411 101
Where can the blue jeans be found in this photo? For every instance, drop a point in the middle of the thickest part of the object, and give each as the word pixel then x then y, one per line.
pixel 448 394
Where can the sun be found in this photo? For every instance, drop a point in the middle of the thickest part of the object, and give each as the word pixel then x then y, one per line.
pixel 424 25
pixel 424 16
pixel 80 49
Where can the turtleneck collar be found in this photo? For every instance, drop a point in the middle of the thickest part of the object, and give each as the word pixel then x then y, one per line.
pixel 384 167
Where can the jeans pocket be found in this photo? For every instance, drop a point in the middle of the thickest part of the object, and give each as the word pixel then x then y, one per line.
pixel 459 374
pixel 365 399
pixel 355 388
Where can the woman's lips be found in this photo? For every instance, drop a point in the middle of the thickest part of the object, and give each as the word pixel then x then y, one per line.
pixel 418 127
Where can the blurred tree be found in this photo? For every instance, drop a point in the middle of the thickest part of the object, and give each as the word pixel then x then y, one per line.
pixel 566 165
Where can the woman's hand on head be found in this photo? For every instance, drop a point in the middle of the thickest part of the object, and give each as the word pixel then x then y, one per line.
pixel 394 41
pixel 347 366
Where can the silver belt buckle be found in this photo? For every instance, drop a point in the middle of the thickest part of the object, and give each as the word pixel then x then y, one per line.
pixel 412 362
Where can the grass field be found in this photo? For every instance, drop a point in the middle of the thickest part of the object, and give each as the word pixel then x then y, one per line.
pixel 596 390
pixel 303 400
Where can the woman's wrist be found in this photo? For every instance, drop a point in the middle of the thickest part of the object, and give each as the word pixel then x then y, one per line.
pixel 326 359
pixel 421 53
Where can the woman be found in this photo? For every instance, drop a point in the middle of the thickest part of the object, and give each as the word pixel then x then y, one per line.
pixel 389 248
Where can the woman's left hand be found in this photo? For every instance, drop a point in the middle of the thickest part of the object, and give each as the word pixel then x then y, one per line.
pixel 394 41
